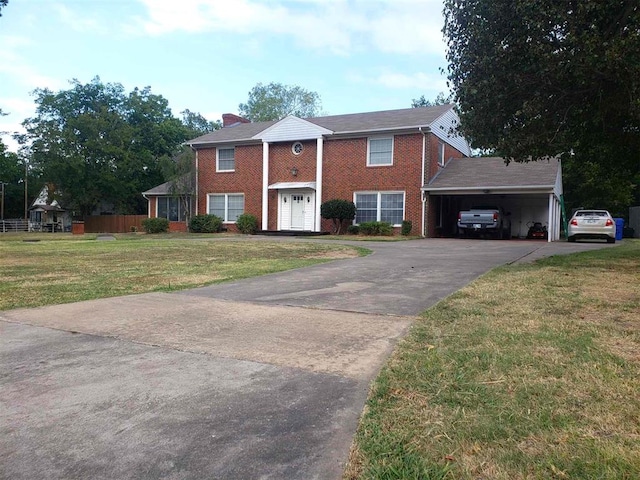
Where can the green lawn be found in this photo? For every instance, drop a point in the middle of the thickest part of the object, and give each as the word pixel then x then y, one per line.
pixel 531 372
pixel 46 269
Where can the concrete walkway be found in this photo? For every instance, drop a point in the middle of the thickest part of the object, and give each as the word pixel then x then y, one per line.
pixel 263 378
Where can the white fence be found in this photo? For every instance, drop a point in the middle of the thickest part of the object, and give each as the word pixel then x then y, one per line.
pixel 13 225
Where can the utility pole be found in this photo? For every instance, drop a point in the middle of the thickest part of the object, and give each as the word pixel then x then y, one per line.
pixel 26 201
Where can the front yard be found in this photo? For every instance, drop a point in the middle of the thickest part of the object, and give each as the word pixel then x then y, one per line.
pixel 46 269
pixel 532 371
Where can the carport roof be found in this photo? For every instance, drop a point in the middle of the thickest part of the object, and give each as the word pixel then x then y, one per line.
pixel 491 173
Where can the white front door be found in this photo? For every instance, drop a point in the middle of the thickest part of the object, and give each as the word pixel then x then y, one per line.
pixel 297 211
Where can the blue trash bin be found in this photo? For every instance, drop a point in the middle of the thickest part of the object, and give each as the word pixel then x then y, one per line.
pixel 619 227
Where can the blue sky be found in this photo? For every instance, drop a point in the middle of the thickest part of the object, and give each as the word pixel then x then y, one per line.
pixel 205 55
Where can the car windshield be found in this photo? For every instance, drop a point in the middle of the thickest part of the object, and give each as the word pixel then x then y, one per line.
pixel 592 213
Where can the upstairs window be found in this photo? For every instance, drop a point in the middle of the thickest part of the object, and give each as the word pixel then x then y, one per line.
pixel 226 160
pixel 380 152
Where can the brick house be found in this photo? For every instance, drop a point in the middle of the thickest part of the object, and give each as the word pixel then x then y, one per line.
pixel 281 171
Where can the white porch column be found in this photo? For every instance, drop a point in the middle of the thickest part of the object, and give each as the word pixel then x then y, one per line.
pixel 551 217
pixel 265 185
pixel 319 148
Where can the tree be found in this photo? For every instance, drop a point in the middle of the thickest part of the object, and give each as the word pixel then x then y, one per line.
pixel 99 145
pixel 338 211
pixel 197 125
pixel 3 3
pixel 541 78
pixel 275 101
pixel 441 99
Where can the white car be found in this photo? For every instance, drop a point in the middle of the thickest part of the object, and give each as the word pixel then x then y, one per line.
pixel 592 224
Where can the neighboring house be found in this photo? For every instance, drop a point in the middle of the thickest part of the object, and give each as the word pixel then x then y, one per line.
pixel 282 171
pixel 173 201
pixel 46 215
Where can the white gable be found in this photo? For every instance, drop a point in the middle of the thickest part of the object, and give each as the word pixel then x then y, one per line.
pixel 41 199
pixel 443 126
pixel 291 128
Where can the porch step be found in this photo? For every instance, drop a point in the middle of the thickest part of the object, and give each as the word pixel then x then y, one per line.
pixel 290 233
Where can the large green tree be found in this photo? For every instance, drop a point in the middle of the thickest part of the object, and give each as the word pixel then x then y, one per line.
pixel 100 145
pixel 539 78
pixel 275 101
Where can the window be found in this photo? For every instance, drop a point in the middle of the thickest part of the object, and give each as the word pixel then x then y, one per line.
pixel 441 154
pixel 226 160
pixel 171 208
pixel 380 151
pixel 227 206
pixel 380 206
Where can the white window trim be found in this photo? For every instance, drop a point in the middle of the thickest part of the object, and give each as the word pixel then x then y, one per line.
pixel 226 204
pixel 379 203
pixel 369 151
pixel 218 158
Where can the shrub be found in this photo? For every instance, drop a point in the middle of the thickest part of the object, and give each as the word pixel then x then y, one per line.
pixel 406 227
pixel 155 225
pixel 353 229
pixel 338 211
pixel 376 228
pixel 205 224
pixel 247 224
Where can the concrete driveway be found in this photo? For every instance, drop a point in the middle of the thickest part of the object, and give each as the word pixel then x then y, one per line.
pixel 262 378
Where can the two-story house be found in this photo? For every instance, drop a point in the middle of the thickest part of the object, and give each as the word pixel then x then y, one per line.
pixel 394 165
pixel 282 171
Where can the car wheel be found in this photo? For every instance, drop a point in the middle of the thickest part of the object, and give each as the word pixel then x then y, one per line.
pixel 611 240
pixel 571 239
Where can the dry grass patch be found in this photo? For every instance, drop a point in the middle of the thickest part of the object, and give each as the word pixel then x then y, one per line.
pixel 530 372
pixel 60 271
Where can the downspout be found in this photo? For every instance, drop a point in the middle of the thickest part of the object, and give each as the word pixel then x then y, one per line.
pixel 423 195
pixel 148 205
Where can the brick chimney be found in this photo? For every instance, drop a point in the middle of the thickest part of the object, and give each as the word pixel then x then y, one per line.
pixel 231 120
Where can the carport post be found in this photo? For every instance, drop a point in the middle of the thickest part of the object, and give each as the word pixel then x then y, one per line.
pixel 552 215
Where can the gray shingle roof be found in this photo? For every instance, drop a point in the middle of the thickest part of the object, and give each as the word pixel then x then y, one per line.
pixel 354 122
pixel 167 188
pixel 481 172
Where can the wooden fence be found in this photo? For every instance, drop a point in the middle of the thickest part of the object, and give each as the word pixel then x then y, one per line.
pixel 113 223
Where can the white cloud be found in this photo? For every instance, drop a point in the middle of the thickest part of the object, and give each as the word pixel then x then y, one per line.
pixel 78 22
pixel 419 80
pixel 338 26
pixel 14 66
pixel 426 82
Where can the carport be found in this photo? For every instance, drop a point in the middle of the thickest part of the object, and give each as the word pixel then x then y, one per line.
pixel 530 192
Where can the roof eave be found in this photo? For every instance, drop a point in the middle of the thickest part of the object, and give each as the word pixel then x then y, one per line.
pixel 493 189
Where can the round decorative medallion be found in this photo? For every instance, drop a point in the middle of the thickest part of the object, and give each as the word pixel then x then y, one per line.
pixel 297 148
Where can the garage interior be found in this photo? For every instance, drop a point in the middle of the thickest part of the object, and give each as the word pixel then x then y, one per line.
pixel 528 192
